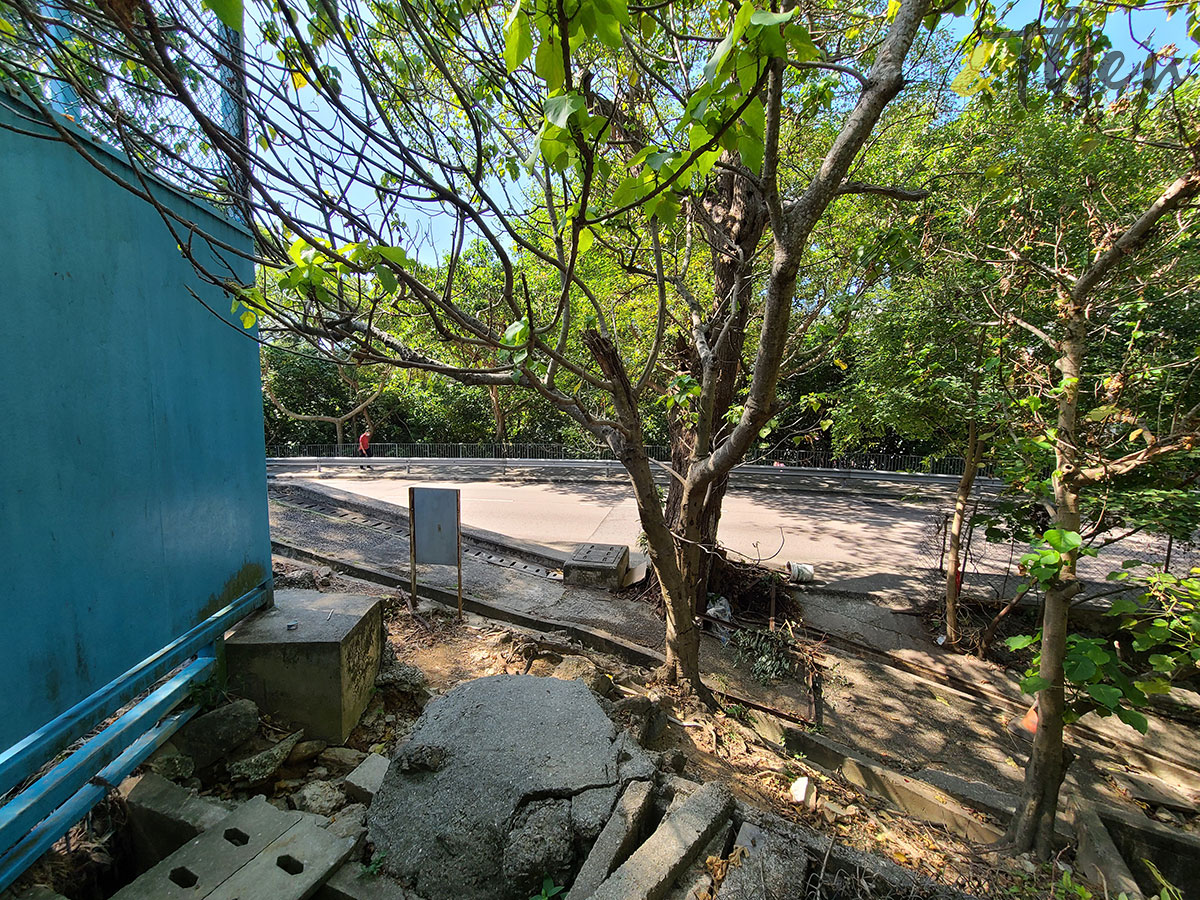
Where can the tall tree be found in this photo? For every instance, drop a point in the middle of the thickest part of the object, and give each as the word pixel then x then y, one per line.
pixel 549 131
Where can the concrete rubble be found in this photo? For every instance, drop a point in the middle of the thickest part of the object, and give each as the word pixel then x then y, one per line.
pixel 478 805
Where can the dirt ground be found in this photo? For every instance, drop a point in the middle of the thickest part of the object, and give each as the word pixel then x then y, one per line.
pixel 717 745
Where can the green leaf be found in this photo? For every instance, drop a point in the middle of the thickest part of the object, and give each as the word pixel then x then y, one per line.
pixel 518 41
pixel 560 109
pixel 1079 669
pixel 1133 719
pixel 7 29
pixel 230 12
pixel 1104 694
pixel 765 17
pixel 248 319
pixel 1063 541
pixel 394 254
pixel 1160 662
pixel 1032 684
pixel 516 334
pixel 1021 641
pixel 608 30
pixel 586 238
pixel 548 64
pixel 387 278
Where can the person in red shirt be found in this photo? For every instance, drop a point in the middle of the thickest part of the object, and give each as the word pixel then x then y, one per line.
pixel 364 445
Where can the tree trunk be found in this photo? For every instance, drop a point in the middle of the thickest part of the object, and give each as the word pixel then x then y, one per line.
pixel 734 221
pixel 953 565
pixel 498 415
pixel 1032 828
pixel 339 425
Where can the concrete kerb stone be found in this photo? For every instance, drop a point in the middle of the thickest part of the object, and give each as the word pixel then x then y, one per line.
pixel 361 784
pixel 1097 857
pixel 649 873
pixel 350 882
pixel 1175 853
pixel 617 839
pixel 908 794
pixel 603 642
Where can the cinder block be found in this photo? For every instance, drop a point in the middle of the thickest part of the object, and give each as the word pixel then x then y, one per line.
pixel 318 673
pixel 361 784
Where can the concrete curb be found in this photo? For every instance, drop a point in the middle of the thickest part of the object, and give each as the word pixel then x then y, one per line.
pixel 910 795
pixel 1097 857
pixel 599 641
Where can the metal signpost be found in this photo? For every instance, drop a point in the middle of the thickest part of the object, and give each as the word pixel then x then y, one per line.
pixel 434 532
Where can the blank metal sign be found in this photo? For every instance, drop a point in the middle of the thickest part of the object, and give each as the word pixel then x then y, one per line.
pixel 434 525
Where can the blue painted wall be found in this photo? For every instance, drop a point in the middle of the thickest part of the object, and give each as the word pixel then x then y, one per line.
pixel 132 475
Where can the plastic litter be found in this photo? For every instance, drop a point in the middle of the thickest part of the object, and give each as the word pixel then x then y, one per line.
pixel 800 573
pixel 720 609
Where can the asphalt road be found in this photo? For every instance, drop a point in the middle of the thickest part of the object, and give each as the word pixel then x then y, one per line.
pixel 879 545
pixel 855 542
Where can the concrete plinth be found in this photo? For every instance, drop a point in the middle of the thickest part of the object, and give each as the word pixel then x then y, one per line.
pixel 597 565
pixel 317 673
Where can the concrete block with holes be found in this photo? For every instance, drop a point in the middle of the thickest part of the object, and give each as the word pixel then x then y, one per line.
pixel 311 660
pixel 256 852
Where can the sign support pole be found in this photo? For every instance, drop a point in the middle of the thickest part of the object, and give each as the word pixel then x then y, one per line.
pixel 412 552
pixel 458 536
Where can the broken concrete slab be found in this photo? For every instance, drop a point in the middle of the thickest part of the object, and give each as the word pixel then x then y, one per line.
pixel 696 878
pixel 261 766
pixel 164 816
pixel 1154 791
pixel 351 822
pixel 654 866
pixel 311 659
pixel 170 763
pixel 216 734
pixel 341 759
pixel 482 760
pixel 361 784
pixel 320 797
pixel 909 795
pixel 617 839
pixel 773 867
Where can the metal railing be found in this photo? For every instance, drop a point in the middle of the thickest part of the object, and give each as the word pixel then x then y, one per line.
pixel 809 459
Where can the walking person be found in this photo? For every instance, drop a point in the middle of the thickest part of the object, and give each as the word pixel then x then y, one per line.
pixel 364 446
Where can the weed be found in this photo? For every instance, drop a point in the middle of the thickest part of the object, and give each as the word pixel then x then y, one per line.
pixel 372 869
pixel 549 889
pixel 767 654
pixel 739 713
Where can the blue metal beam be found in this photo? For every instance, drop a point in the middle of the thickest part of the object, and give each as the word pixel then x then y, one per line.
pixel 42 838
pixel 41 798
pixel 26 757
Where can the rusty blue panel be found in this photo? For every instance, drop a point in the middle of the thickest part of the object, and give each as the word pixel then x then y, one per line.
pixel 132 481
